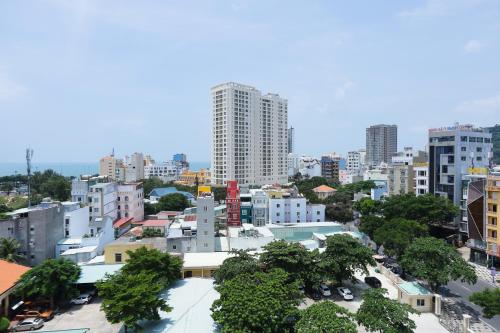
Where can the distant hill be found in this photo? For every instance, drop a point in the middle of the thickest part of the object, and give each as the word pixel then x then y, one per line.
pixel 495 130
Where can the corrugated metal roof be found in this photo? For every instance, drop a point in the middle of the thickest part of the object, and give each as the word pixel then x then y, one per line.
pixel 93 273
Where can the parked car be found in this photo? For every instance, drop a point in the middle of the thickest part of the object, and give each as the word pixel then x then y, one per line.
pixel 345 293
pixel 46 314
pixel 314 294
pixel 325 291
pixel 28 324
pixel 82 299
pixel 373 282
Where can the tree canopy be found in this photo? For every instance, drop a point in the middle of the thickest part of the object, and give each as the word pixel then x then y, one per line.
pixel 129 298
pixel 259 302
pixel 370 223
pixel 339 212
pixel 489 300
pixel 368 206
pixel 174 201
pixel 9 248
pixel 436 262
pixel 53 279
pixel 378 313
pixel 397 234
pixel 241 263
pixel 343 256
pixel 325 316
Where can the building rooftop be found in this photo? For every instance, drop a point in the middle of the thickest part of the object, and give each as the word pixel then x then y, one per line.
pixel 163 191
pixel 93 273
pixel 191 300
pixel 70 241
pixel 11 273
pixel 155 223
pixel 414 288
pixel 84 249
pixel 324 188
pixel 121 222
pixel 204 259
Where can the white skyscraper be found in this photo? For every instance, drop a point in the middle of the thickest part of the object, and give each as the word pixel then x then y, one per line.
pixel 250 139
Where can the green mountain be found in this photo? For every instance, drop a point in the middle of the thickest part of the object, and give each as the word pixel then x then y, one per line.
pixel 495 130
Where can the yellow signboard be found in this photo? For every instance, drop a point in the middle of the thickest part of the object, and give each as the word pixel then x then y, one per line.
pixel 477 171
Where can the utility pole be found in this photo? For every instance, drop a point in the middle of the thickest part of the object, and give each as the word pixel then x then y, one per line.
pixel 29 155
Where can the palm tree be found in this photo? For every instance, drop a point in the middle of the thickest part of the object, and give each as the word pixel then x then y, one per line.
pixel 8 250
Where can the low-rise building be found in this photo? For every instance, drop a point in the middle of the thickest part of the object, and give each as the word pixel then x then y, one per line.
pixel 400 179
pixel 116 251
pixel 157 225
pixel 130 201
pixel 202 264
pixel 421 184
pixel 324 191
pixel 102 200
pixel 417 296
pixel 9 277
pixel 192 178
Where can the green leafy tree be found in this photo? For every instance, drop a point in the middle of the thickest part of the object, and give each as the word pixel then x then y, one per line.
pixel 295 259
pixel 339 212
pixel 53 279
pixel 130 298
pixel 174 201
pixel 150 209
pixel 343 256
pixel 370 223
pixel 259 302
pixel 4 324
pixel 151 183
pixel 241 263
pixel 165 268
pixel 219 192
pixel 367 206
pixel 9 248
pixel 152 232
pixel 489 300
pixel 397 234
pixel 378 313
pixel 325 316
pixel 7 187
pixel 436 262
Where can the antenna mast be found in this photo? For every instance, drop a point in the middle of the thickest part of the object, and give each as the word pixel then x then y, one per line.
pixel 29 155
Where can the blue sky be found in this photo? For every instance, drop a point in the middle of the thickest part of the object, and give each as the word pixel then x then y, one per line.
pixel 80 77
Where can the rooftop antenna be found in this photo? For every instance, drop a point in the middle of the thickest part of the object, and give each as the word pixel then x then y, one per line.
pixel 29 156
pixel 113 152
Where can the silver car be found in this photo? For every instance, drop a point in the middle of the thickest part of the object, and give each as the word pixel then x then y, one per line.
pixel 29 324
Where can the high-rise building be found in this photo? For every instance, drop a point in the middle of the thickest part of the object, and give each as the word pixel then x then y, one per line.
pixel 353 162
pixel 250 139
pixel 330 166
pixel 452 152
pixel 291 140
pixel 381 144
pixel 107 166
pixel 134 167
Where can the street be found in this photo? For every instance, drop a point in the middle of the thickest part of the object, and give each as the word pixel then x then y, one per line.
pixel 460 292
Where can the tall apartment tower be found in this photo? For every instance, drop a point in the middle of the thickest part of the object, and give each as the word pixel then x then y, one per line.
pixel 250 136
pixel 291 140
pixel 381 144
pixel 453 151
pixel 205 223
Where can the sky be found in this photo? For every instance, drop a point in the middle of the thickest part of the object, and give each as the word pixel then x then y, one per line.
pixel 78 78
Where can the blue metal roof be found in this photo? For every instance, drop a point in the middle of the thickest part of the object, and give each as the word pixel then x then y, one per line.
pixel 94 273
pixel 163 191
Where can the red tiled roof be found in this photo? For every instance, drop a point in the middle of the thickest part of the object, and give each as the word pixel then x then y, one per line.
pixel 324 188
pixel 121 222
pixel 169 212
pixel 155 223
pixel 190 217
pixel 10 274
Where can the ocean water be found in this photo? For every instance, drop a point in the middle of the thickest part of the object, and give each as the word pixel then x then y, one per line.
pixel 70 169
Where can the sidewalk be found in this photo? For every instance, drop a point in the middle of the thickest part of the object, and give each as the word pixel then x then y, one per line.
pixel 482 272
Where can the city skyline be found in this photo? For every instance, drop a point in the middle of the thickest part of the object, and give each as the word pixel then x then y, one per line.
pixel 137 77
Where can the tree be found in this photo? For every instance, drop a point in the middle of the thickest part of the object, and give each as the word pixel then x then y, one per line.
pixel 129 298
pixel 295 259
pixel 174 201
pixel 367 206
pixel 152 232
pixel 4 324
pixel 397 234
pixel 428 209
pixel 149 184
pixel 436 262
pixel 489 300
pixel 340 212
pixel 219 192
pixel 259 302
pixel 370 223
pixel 241 263
pixel 343 256
pixel 163 267
pixel 325 316
pixel 150 209
pixel 7 187
pixel 378 313
pixel 9 248
pixel 53 279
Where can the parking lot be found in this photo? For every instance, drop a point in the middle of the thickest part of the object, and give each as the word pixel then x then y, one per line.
pixel 83 316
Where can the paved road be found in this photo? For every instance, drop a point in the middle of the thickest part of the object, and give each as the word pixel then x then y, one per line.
pixel 461 292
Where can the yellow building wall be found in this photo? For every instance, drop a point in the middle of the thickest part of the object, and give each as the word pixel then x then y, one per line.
pixel 203 272
pixel 492 216
pixel 112 249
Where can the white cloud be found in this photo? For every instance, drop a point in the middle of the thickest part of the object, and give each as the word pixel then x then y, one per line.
pixel 433 8
pixel 342 91
pixel 473 46
pixel 9 89
pixel 484 106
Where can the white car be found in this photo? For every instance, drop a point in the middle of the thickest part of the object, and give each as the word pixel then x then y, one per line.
pixel 28 324
pixel 325 291
pixel 345 293
pixel 82 299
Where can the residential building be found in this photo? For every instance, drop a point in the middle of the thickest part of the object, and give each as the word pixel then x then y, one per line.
pixel 250 139
pixel 291 140
pixel 181 159
pixel 148 160
pixel 107 166
pixel 233 203
pixel 80 186
pixel 205 223
pixel 167 171
pixel 134 167
pixel 260 208
pixel 315 213
pixel 157 225
pixel 493 216
pixel 76 219
pixel 130 201
pixel 102 200
pixel 309 167
pixel 330 166
pixel 473 214
pixel 11 273
pixel 420 171
pixel 400 179
pixel 353 162
pixel 381 144
pixel 116 251
pixel 246 207
pixel 452 151
pixel 193 178
pixel 285 207
pixel 37 229
pixel 409 156
pixel 324 191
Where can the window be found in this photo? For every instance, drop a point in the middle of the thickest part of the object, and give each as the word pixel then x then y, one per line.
pixel 463 138
pixel 66 221
pixel 174 247
pixel 463 149
pixel 317 213
pixel 126 198
pixel 479 158
pixel 206 244
pixel 298 205
pixel 420 302
pixel 118 257
pixel 278 214
pixel 479 149
pixel 277 205
pixel 463 158
pixel 444 169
